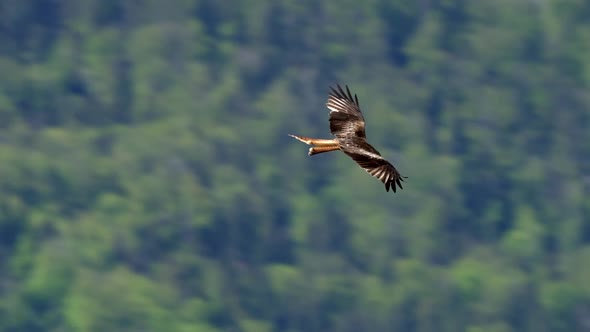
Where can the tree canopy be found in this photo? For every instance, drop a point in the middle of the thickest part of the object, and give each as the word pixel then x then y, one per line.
pixel 147 182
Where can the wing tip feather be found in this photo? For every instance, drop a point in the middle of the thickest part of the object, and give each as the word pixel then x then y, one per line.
pixel 339 93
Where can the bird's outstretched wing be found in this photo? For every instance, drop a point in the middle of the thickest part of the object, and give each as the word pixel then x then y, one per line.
pixel 371 161
pixel 346 119
pixel 348 125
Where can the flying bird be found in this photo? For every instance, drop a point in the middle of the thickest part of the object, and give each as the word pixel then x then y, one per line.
pixel 347 125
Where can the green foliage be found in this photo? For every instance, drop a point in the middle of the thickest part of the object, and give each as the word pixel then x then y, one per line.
pixel 119 299
pixel 147 181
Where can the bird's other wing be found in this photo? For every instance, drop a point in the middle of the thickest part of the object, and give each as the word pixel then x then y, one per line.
pixel 346 119
pixel 371 161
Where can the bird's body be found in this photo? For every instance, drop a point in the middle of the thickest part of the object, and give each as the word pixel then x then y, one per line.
pixel 348 127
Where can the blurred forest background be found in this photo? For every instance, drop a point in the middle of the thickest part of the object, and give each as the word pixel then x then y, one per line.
pixel 147 182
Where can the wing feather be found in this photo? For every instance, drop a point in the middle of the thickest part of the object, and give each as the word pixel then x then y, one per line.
pixel 376 166
pixel 346 118
pixel 347 124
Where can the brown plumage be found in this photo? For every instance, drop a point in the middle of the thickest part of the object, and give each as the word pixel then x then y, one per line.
pixel 348 126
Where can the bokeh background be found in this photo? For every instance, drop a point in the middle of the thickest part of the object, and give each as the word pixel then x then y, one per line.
pixel 147 182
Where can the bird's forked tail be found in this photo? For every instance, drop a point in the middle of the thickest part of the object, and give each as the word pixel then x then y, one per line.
pixel 319 145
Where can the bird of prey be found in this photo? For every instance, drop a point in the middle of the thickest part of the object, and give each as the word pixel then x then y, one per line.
pixel 347 125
